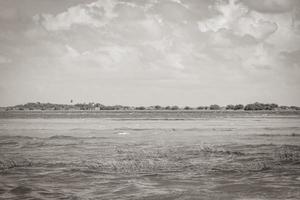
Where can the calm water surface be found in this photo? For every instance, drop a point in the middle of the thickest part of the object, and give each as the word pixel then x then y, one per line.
pixel 163 156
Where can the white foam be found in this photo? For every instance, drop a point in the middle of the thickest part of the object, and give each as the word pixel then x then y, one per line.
pixel 123 133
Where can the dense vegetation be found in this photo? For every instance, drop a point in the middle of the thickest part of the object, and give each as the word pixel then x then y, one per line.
pixel 98 106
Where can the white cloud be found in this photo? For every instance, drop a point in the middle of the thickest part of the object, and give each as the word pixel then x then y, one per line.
pixel 237 18
pixel 229 14
pixel 72 52
pixel 104 58
pixel 96 14
pixel 249 39
pixel 287 37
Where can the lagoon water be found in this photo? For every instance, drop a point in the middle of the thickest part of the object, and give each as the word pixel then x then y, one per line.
pixel 149 155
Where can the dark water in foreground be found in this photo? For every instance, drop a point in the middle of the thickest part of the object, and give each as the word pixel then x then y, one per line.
pixel 170 156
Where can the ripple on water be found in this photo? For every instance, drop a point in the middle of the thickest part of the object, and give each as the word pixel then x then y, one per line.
pixel 21 190
pixel 13 163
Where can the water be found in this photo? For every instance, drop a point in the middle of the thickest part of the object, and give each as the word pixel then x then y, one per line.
pixel 148 155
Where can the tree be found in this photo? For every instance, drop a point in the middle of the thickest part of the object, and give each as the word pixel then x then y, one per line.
pixel 214 107
pixel 168 107
pixel 157 107
pixel 187 108
pixel 238 107
pixel 201 107
pixel 174 108
pixel 284 107
pixel 230 107
pixel 140 108
pixel 295 107
pixel 260 106
pixel 274 105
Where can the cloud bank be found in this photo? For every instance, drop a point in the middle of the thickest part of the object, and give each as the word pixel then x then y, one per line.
pixel 186 52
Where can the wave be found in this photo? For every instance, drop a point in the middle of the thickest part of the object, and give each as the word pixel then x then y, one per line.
pixel 284 156
pixel 8 143
pixel 21 190
pixel 63 137
pixel 54 137
pixel 13 163
pixel 221 151
pixel 279 135
pixel 174 129
pixel 3 137
pixel 281 128
pixel 215 159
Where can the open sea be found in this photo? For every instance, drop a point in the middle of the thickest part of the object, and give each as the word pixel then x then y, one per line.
pixel 149 155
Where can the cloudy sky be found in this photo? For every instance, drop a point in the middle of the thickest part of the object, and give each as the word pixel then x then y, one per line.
pixel 147 52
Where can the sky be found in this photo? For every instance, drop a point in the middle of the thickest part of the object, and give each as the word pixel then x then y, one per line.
pixel 149 52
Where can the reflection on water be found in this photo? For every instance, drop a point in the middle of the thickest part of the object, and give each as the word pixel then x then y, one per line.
pixel 95 158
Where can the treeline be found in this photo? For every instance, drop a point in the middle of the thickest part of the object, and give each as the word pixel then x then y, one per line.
pixel 98 106
pixel 261 106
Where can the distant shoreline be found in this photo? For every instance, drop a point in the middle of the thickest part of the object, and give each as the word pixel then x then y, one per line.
pixel 100 107
pixel 153 111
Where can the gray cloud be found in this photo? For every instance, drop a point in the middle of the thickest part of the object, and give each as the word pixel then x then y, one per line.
pixel 271 6
pixel 291 59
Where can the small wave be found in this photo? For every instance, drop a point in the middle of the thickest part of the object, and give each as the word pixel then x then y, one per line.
pixel 62 137
pixel 242 167
pixel 153 119
pixel 279 135
pixel 283 157
pixel 3 137
pixel 67 137
pixel 223 129
pixel 8 143
pixel 281 128
pixel 216 150
pixel 13 163
pixel 134 129
pixel 137 166
pixel 287 153
pixel 21 190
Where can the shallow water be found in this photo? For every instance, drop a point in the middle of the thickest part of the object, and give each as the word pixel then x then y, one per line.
pixel 169 156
